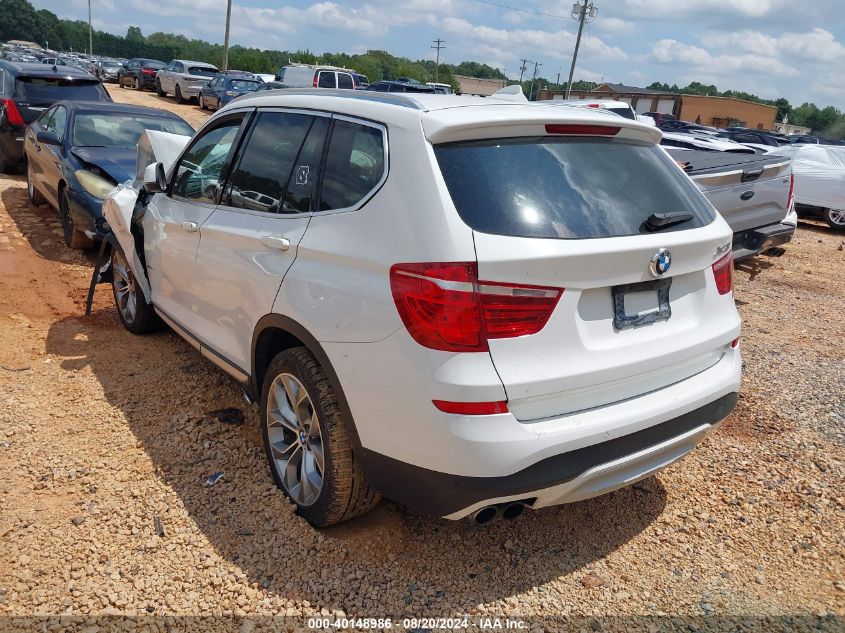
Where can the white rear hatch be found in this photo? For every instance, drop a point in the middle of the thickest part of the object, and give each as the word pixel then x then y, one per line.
pixel 555 204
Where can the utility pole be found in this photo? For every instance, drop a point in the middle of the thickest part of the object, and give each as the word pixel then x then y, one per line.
pixel 522 69
pixel 226 39
pixel 533 79
pixel 90 31
pixel 580 12
pixel 438 44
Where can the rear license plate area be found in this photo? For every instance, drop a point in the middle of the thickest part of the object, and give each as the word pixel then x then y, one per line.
pixel 641 303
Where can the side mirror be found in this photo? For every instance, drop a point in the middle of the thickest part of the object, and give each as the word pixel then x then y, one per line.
pixel 48 137
pixel 155 179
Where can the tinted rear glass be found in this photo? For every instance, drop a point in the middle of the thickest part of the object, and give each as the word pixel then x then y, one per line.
pixel 244 85
pixel 202 71
pixel 49 90
pixel 566 188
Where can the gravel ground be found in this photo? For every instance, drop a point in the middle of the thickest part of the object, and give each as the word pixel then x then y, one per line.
pixel 106 440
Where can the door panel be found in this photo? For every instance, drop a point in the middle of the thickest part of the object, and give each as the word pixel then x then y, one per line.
pixel 251 240
pixel 172 221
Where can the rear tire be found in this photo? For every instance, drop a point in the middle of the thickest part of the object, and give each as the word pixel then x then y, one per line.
pixel 201 102
pixel 302 427
pixel 178 95
pixel 137 84
pixel 835 218
pixel 35 196
pixel 135 313
pixel 159 91
pixel 74 238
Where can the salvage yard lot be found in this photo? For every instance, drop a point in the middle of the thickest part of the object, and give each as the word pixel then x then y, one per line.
pixel 106 440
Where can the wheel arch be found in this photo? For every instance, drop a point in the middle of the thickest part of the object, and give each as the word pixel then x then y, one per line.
pixel 275 333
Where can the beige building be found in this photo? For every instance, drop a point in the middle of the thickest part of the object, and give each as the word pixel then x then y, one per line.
pixel 716 111
pixel 476 86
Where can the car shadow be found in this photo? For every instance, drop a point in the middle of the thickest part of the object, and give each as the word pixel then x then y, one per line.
pixel 817 225
pixel 166 392
pixel 41 226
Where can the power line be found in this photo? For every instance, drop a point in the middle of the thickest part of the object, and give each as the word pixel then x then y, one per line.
pixel 504 6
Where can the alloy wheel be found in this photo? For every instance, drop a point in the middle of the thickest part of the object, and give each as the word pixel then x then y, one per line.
pixel 295 439
pixel 124 287
pixel 837 216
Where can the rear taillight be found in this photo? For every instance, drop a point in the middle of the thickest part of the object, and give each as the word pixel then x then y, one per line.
pixel 723 273
pixel 735 343
pixel 582 129
pixel 472 408
pixel 13 115
pixel 789 198
pixel 314 85
pixel 148 71
pixel 445 307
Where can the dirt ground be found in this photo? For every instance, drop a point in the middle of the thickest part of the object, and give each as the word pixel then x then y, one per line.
pixel 106 440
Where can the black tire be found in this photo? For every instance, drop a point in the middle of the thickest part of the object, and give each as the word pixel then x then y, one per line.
pixel 835 219
pixel 344 492
pixel 136 84
pixel 142 319
pixel 74 238
pixel 200 102
pixel 34 195
pixel 178 95
pixel 159 91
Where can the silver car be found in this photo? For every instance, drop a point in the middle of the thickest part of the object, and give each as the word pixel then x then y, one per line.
pixel 183 79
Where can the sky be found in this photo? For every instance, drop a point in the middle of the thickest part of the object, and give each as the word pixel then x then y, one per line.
pixel 771 48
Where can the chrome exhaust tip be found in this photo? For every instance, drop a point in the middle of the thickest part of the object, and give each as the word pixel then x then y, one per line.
pixel 513 510
pixel 486 514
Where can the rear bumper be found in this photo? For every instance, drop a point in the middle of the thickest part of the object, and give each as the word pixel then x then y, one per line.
pixel 11 143
pixel 188 90
pixel 750 243
pixel 564 478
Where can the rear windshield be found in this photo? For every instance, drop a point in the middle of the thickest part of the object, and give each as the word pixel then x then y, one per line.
pixel 35 90
pixel 151 63
pixel 566 188
pixel 202 71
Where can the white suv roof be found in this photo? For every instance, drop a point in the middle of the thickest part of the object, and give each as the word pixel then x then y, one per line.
pixel 448 117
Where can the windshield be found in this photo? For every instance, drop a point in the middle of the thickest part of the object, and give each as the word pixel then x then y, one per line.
pixel 98 129
pixel 202 71
pixel 566 188
pixel 33 90
pixel 244 85
pixel 151 63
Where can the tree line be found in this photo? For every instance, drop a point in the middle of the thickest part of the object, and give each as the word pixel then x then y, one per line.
pixel 20 20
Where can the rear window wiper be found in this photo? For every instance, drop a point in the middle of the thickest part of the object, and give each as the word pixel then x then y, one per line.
pixel 660 221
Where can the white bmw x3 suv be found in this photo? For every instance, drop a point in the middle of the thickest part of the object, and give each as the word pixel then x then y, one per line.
pixel 465 305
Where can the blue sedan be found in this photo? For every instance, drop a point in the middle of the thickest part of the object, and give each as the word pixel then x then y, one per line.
pixel 77 152
pixel 225 87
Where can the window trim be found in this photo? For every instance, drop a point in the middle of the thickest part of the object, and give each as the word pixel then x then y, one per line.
pixel 327 144
pixel 236 160
pixel 246 117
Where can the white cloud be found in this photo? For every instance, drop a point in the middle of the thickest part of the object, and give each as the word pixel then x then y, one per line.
pixel 669 51
pixel 818 44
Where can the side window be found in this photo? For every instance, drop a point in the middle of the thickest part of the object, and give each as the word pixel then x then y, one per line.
pixel 302 185
pixel 344 80
pixel 179 68
pixel 46 119
pixel 134 64
pixel 355 165
pixel 201 167
pixel 59 122
pixel 266 162
pixel 326 79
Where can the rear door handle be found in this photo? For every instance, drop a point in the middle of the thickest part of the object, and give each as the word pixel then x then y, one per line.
pixel 276 241
pixel 190 226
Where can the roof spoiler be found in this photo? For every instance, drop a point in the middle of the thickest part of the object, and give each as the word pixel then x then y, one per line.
pixel 512 93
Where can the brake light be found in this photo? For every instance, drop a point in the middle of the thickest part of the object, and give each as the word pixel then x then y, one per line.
pixel 593 105
pixel 445 307
pixel 723 273
pixel 582 129
pixel 735 343
pixel 148 71
pixel 13 115
pixel 471 408
pixel 314 85
pixel 789 198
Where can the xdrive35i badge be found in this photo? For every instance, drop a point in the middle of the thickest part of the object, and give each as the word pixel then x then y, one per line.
pixel 660 263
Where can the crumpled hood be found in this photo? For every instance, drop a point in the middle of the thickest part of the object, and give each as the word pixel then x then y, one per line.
pixel 117 162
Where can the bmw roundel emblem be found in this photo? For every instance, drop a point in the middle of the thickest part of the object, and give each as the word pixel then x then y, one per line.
pixel 660 263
